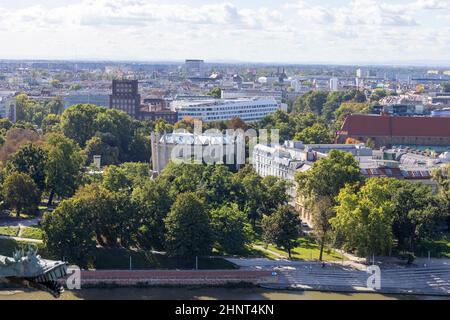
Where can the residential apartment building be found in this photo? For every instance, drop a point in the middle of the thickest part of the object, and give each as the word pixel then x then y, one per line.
pixel 285 161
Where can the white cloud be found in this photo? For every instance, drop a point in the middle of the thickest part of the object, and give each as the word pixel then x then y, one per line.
pixel 296 31
pixel 431 4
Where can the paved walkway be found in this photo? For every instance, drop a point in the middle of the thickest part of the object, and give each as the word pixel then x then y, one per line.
pixel 276 254
pixel 15 222
pixel 21 239
pixel 175 277
pixel 308 275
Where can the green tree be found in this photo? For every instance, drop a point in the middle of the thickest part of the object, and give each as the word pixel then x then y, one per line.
pixel 215 93
pixel 418 213
pixel 364 218
pixel 68 232
pixel 188 227
pixel 109 221
pixel 153 203
pixel 21 193
pixel 254 192
pixel 55 106
pixel 115 179
pixel 318 133
pixel 51 123
pixel 96 146
pixel 140 149
pixel 162 126
pixel 63 167
pixel 282 228
pixel 275 193
pixel 322 212
pixel 78 122
pixel 378 94
pixel 442 177
pixel 312 101
pixel 30 159
pixel 329 175
pixel 216 185
pixel 230 229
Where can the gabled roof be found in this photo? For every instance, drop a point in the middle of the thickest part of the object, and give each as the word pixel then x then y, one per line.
pixel 374 125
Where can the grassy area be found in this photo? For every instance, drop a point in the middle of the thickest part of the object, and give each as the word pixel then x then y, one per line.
pixel 32 233
pixel 7 247
pixel 307 250
pixel 120 259
pixel 437 248
pixel 9 231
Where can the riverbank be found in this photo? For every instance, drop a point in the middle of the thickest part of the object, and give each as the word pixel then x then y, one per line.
pixel 202 294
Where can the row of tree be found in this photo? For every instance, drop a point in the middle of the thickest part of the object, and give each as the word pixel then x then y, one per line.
pixel 371 216
pixel 187 211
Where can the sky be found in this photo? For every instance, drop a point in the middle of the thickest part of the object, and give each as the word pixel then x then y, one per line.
pixel 275 31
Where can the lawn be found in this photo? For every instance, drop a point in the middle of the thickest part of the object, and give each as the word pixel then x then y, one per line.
pixel 119 258
pixel 9 231
pixel 32 233
pixel 307 250
pixel 8 247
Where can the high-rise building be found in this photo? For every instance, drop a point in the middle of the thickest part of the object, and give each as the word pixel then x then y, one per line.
pixel 8 105
pixel 125 96
pixel 195 68
pixel 334 84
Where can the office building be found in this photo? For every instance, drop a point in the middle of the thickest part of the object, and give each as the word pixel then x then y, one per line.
pixel 195 68
pixel 98 98
pixel 248 110
pixel 125 96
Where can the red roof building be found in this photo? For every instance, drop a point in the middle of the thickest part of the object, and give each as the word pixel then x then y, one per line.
pixel 391 130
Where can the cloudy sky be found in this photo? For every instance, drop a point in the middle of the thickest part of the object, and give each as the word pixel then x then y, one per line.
pixel 298 31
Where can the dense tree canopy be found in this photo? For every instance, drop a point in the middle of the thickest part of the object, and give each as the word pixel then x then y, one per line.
pixel 188 230
pixel 282 228
pixel 21 193
pixel 64 166
pixel 32 160
pixel 328 175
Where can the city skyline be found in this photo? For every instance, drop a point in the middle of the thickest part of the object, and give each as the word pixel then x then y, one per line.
pixel 334 31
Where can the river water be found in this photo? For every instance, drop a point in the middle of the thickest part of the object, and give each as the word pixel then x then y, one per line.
pixel 202 294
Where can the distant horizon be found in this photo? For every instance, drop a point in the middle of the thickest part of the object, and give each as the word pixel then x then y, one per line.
pixel 418 64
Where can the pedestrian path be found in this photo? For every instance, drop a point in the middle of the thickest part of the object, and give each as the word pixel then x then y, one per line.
pixel 21 239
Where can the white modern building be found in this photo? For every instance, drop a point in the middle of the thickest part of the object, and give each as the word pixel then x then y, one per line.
pixel 252 93
pixel 8 105
pixel 334 84
pixel 248 110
